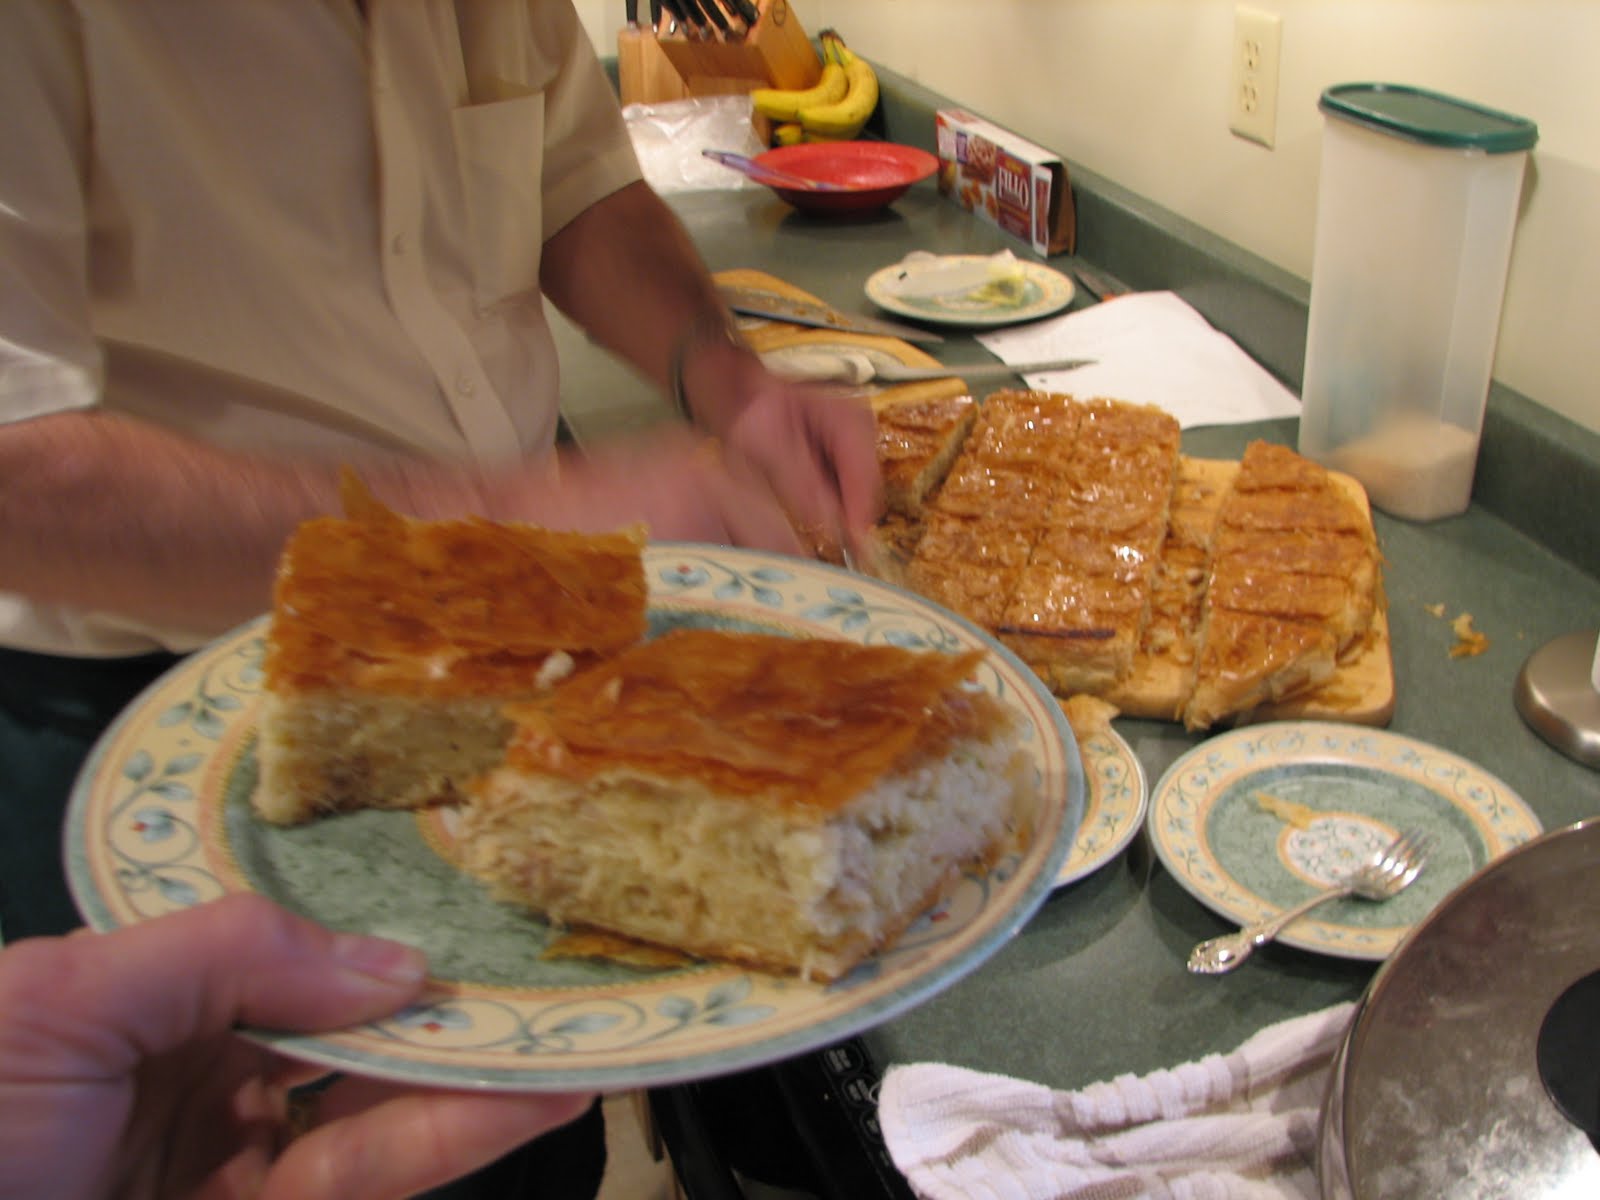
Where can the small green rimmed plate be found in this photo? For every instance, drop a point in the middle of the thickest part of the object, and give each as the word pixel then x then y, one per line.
pixel 1114 810
pixel 1041 291
pixel 161 819
pixel 1255 820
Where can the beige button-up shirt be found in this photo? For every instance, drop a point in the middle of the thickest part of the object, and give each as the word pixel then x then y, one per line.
pixel 290 227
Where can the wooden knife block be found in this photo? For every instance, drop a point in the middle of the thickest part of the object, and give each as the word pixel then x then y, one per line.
pixel 775 53
pixel 645 75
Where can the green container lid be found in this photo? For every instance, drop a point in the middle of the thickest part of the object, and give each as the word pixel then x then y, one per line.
pixel 1428 117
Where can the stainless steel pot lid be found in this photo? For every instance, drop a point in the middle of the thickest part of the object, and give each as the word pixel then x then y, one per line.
pixel 1472 1066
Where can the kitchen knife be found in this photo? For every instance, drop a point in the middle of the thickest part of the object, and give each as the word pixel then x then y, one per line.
pixel 748 13
pixel 753 303
pixel 848 366
pixel 1098 286
pixel 713 9
pixel 694 13
pixel 680 17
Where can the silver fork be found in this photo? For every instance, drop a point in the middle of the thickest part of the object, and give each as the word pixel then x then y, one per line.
pixel 1386 874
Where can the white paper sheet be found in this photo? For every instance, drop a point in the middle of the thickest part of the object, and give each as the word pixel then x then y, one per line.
pixel 1152 348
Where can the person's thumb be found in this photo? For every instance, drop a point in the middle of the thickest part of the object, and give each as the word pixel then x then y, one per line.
pixel 109 1000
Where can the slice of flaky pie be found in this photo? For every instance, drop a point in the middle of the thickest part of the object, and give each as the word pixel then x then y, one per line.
pixel 788 803
pixel 1292 586
pixel 917 441
pixel 394 644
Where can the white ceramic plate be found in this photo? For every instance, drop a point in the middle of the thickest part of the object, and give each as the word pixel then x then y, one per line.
pixel 1117 799
pixel 1044 291
pixel 1255 820
pixel 161 819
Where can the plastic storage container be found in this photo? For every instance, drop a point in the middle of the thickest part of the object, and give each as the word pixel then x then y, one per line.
pixel 1416 207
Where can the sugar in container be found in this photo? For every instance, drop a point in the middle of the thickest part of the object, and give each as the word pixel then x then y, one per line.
pixel 1416 208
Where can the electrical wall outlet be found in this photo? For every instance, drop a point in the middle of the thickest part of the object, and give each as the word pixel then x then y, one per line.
pixel 1253 85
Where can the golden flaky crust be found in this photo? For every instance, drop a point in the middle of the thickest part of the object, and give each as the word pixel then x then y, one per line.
pixel 788 803
pixel 1048 528
pixel 917 439
pixel 393 644
pixel 803 724
pixel 1291 586
pixel 1077 532
pixel 468 607
pixel 1247 659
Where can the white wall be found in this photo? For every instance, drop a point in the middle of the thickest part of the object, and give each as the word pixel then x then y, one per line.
pixel 1137 91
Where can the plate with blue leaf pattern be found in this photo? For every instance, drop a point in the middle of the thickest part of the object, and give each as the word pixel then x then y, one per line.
pixel 1252 821
pixel 1115 802
pixel 161 819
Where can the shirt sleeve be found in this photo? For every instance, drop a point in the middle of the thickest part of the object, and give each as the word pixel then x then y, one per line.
pixel 50 360
pixel 588 153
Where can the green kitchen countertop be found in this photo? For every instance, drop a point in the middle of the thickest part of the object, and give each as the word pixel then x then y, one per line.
pixel 1095 985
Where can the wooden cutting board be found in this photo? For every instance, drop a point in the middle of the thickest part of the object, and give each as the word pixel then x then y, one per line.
pixel 764 336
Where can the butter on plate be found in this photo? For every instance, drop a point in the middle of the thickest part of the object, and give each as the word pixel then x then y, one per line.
pixel 996 280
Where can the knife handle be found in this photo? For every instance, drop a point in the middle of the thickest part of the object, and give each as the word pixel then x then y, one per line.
pixel 748 13
pixel 679 17
pixel 713 9
pixel 694 15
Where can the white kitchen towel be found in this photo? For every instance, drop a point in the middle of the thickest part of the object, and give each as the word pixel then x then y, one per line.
pixel 1239 1126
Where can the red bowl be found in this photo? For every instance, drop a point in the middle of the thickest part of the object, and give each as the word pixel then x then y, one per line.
pixel 874 173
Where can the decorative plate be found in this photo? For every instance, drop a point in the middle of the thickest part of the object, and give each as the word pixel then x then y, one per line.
pixel 1043 291
pixel 1117 799
pixel 1257 819
pixel 161 819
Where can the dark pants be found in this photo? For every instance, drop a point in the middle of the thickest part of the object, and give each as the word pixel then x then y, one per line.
pixel 52 710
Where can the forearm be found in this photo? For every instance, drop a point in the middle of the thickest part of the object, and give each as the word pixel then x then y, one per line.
pixel 103 513
pixel 628 273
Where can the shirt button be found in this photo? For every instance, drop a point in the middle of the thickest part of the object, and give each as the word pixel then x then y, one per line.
pixel 398 243
pixel 464 384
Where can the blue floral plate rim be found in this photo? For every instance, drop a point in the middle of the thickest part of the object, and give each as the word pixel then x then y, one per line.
pixel 1252 820
pixel 159 820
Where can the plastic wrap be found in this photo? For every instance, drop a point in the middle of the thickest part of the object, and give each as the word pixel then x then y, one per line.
pixel 669 136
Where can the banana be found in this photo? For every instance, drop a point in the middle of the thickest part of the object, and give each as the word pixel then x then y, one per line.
pixel 784 104
pixel 844 118
pixel 788 133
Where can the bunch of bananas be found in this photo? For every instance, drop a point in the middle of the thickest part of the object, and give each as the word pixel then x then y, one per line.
pixel 834 109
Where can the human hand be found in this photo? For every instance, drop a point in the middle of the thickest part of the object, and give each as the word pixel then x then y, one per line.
pixel 676 482
pixel 120 1074
pixel 815 447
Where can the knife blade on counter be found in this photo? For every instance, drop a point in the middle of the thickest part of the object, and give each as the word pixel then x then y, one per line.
pixel 846 366
pixel 1099 286
pixel 753 303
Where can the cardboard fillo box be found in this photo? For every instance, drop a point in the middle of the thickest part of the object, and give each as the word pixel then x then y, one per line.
pixel 1021 187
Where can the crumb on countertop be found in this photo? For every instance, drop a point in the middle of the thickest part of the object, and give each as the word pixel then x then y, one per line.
pixel 1469 642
